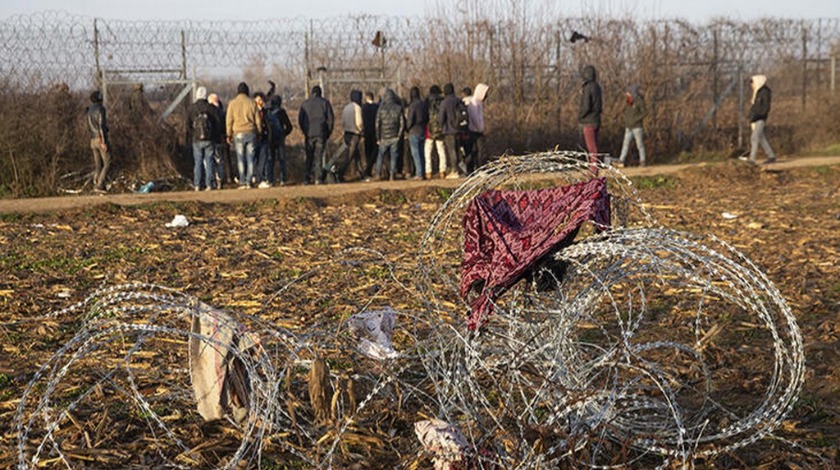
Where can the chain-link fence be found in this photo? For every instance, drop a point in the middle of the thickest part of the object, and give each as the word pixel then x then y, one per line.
pixel 693 75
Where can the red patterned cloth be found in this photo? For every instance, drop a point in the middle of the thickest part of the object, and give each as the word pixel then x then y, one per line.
pixel 506 233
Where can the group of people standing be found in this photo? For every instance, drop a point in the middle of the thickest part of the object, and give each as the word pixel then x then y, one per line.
pixel 441 124
pixel 256 128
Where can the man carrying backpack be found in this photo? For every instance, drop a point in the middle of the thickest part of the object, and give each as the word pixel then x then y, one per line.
pixel 203 123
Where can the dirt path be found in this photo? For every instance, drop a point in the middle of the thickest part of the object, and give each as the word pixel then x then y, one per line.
pixel 225 196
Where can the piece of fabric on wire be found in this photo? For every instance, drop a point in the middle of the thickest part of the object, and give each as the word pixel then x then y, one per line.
pixel 507 232
pixel 219 378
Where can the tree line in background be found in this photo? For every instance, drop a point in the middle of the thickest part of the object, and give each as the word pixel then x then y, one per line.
pixel 694 78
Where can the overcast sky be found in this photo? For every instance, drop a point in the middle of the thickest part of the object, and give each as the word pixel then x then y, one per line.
pixel 693 10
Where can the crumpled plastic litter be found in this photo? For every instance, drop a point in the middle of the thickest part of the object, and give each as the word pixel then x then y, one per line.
pixel 146 188
pixel 374 330
pixel 444 442
pixel 728 215
pixel 178 221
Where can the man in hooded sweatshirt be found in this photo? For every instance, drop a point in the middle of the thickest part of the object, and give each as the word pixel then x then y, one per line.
pixel 758 118
pixel 243 126
pixel 589 111
pixel 448 119
pixel 316 120
pixel 474 145
pixel 353 124
pixel 390 126
pixel 434 134
pixel 634 114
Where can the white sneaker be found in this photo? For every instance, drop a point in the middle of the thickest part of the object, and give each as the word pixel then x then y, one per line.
pixel 264 185
pixel 453 176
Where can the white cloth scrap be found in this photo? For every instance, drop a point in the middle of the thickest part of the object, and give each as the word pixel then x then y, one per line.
pixel 374 330
pixel 444 442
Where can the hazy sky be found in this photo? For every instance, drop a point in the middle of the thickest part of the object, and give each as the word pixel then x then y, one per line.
pixel 693 10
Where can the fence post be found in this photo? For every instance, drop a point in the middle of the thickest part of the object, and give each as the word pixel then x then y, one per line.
pixel 183 55
pixel 96 53
pixel 833 73
pixel 715 53
pixel 308 70
pixel 804 63
pixel 740 107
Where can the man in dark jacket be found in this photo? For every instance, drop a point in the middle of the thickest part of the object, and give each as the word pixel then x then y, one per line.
pixel 448 120
pixel 222 166
pixel 434 137
pixel 369 110
pixel 390 126
pixel 203 125
pixel 279 142
pixel 758 118
pixel 316 120
pixel 99 143
pixel 589 111
pixel 418 117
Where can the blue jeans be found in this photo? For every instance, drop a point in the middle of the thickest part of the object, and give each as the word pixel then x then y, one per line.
pixel 415 143
pixel 245 144
pixel 203 156
pixel 265 163
pixel 392 146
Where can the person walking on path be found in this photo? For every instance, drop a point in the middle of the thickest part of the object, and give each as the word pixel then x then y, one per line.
pixel 589 112
pixel 390 126
pixel 316 120
pixel 203 124
pixel 634 115
pixel 243 128
pixel 759 110
pixel 418 118
pixel 99 143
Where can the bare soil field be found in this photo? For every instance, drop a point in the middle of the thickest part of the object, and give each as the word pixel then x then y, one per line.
pixel 242 246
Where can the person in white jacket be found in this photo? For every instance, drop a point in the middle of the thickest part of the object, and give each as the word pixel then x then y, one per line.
pixel 474 143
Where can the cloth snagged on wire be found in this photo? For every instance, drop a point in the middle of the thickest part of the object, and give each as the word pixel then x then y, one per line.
pixel 444 443
pixel 506 233
pixel 219 378
pixel 374 330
